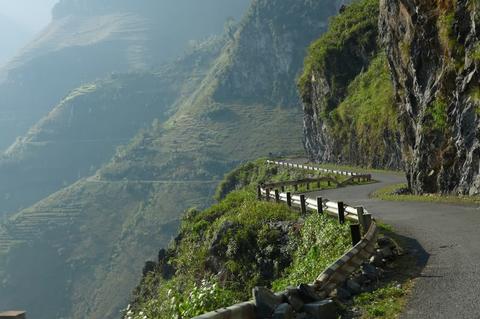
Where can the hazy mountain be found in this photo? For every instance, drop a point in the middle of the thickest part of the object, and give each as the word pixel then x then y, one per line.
pixel 14 36
pixel 89 263
pixel 90 39
pixel 230 100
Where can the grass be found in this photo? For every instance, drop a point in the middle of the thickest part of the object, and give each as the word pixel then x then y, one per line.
pixel 475 53
pixel 367 112
pixel 358 105
pixel 386 302
pixel 357 22
pixel 387 193
pixel 237 234
pixel 438 112
pixel 256 172
pixel 322 240
pixel 240 250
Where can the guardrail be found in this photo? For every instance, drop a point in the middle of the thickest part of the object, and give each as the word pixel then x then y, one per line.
pixel 303 181
pixel 313 168
pixel 320 205
pixel 332 277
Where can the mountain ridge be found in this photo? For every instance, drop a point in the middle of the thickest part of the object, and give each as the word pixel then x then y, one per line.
pixel 75 50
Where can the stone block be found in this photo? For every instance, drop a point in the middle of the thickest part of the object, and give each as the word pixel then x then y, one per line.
pixel 283 311
pixel 324 309
pixel 265 301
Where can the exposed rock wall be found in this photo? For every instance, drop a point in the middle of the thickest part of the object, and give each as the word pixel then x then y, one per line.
pixel 337 94
pixel 267 73
pixel 434 55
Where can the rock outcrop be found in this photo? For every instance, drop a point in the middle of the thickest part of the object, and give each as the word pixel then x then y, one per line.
pixel 434 54
pixel 349 115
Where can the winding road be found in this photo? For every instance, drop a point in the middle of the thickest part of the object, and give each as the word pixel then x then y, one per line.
pixel 446 240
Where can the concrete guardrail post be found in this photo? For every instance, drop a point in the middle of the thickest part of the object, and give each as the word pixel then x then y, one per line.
pixel 277 196
pixel 268 194
pixel 361 219
pixel 356 235
pixel 341 213
pixel 319 205
pixel 303 204
pixel 289 199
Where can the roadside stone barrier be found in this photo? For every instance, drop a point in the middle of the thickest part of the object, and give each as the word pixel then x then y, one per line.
pixel 309 299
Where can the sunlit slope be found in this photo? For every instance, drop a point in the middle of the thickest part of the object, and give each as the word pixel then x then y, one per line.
pixel 84 129
pixel 87 40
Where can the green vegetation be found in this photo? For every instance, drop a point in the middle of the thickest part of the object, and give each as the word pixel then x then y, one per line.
pixel 405 51
pixel 390 193
pixel 386 302
pixel 321 242
pixel 223 110
pixel 354 100
pixel 445 27
pixel 438 112
pixel 474 94
pixel 256 172
pixel 356 24
pixel 475 53
pixel 367 112
pixel 236 246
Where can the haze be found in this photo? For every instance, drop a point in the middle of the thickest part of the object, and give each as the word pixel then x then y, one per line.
pixel 20 20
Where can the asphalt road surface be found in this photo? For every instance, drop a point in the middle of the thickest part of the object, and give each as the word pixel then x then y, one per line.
pixel 446 240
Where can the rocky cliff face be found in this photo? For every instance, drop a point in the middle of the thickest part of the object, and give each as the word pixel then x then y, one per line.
pixel 349 115
pixel 434 54
pixel 279 31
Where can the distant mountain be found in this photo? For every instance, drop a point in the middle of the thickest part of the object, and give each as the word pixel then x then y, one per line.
pixel 14 36
pixel 85 276
pixel 88 40
pixel 230 100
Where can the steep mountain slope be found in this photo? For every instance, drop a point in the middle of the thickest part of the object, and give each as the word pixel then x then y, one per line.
pixel 96 234
pixel 84 129
pixel 90 39
pixel 347 93
pixel 237 244
pixel 434 54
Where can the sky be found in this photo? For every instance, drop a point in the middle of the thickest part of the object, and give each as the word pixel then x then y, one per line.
pixel 31 14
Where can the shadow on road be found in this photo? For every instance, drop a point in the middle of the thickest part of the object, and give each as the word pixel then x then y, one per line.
pixel 411 263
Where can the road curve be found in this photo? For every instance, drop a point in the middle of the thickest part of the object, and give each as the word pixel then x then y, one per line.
pixel 446 239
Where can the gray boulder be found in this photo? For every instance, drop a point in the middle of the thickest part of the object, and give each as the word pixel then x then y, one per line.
pixel 324 309
pixel 265 301
pixel 284 311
